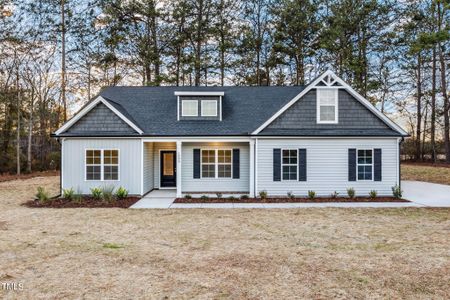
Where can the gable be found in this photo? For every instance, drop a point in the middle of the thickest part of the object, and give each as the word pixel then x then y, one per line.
pixel 303 115
pixel 100 119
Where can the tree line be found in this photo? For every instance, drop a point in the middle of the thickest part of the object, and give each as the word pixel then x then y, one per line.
pixel 55 55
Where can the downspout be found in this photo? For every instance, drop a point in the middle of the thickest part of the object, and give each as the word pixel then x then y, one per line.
pixel 399 162
pixel 60 166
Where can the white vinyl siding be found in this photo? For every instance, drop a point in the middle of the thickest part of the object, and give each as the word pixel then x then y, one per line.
pixel 327 166
pixel 327 106
pixel 73 161
pixel 148 167
pixel 209 108
pixel 189 184
pixel 189 108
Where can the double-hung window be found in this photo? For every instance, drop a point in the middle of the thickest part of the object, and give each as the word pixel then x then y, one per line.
pixel 289 159
pixel 102 164
pixel 189 108
pixel 365 164
pixel 327 106
pixel 216 163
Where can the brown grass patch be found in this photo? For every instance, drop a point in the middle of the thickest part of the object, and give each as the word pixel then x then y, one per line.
pixel 429 173
pixel 239 254
pixel 9 177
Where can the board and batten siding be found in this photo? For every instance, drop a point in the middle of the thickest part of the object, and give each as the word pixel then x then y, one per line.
pixel 327 166
pixel 73 164
pixel 189 184
pixel 148 167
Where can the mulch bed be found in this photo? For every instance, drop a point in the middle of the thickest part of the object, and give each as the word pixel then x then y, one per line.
pixel 87 202
pixel 9 177
pixel 287 200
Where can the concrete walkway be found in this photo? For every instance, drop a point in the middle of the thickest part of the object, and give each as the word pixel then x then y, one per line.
pixel 426 193
pixel 421 194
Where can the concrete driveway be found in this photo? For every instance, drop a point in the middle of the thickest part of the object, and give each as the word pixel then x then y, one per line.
pixel 426 193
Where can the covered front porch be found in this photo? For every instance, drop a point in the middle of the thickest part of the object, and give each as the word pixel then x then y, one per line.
pixel 197 167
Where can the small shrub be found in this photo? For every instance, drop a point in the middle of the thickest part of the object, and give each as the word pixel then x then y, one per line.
pixel 68 193
pixel 397 192
pixel 290 195
pixel 263 194
pixel 112 246
pixel 96 193
pixel 244 197
pixel 232 198
pixel 121 193
pixel 204 197
pixel 188 196
pixel 77 197
pixel 108 193
pixel 219 195
pixel 351 193
pixel 373 194
pixel 334 195
pixel 311 195
pixel 42 194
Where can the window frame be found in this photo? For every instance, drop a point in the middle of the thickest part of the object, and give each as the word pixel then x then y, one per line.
pixel 283 164
pixel 102 164
pixel 183 101
pixel 336 105
pixel 216 163
pixel 215 105
pixel 358 164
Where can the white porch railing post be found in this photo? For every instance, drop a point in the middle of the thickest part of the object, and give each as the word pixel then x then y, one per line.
pixel 179 158
pixel 252 168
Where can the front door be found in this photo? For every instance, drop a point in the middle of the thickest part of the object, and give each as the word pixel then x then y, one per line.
pixel 168 169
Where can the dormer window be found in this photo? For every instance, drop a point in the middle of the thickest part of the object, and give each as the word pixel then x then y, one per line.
pixel 209 108
pixel 327 106
pixel 189 108
pixel 199 105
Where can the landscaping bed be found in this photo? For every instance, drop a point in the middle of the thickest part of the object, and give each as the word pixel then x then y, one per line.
pixel 85 201
pixel 287 200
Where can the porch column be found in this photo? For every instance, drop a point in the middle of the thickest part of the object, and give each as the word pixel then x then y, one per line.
pixel 179 143
pixel 252 168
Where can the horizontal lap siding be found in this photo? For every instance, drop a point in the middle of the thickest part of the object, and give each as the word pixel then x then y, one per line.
pixel 129 164
pixel 156 159
pixel 327 166
pixel 148 167
pixel 189 184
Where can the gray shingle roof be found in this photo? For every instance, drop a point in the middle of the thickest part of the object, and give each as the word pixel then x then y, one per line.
pixel 154 109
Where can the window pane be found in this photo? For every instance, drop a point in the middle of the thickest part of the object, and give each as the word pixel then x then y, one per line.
pixel 289 172
pixel 209 108
pixel 93 157
pixel 93 173
pixel 208 171
pixel 327 97
pixel 224 156
pixel 364 172
pixel 327 113
pixel 208 156
pixel 110 172
pixel 224 171
pixel 189 108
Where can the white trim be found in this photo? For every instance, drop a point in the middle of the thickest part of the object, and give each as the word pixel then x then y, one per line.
pixel 256 166
pixel 281 164
pixel 178 168
pixel 220 107
pixel 62 165
pixel 102 164
pixel 336 107
pixel 373 165
pixel 142 167
pixel 199 93
pixel 183 101
pixel 88 108
pixel 313 84
pixel 215 107
pixel 252 168
pixel 178 108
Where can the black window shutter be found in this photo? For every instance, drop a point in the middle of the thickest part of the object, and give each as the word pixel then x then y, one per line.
pixel 301 164
pixel 196 163
pixel 236 163
pixel 351 164
pixel 377 165
pixel 276 164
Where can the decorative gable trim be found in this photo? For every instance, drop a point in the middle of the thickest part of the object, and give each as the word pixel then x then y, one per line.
pixel 88 108
pixel 329 80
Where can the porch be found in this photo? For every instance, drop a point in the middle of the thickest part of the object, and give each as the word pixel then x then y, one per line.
pixel 198 166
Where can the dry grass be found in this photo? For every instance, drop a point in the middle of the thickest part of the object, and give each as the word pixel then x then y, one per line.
pixel 271 254
pixel 429 173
